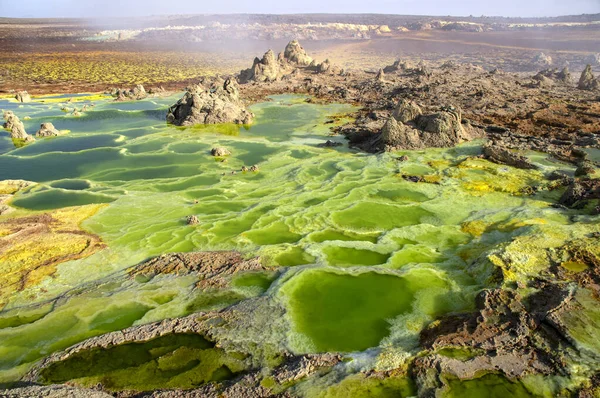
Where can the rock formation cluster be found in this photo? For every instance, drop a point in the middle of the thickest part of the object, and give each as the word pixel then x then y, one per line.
pixel 271 69
pixel 547 77
pixel 136 93
pixel 409 128
pixel 219 103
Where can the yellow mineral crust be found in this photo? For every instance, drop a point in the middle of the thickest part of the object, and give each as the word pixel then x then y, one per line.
pixel 33 244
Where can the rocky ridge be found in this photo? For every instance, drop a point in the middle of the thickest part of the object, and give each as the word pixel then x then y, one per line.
pixel 553 117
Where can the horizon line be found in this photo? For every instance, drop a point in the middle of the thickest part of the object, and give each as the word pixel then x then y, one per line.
pixel 121 16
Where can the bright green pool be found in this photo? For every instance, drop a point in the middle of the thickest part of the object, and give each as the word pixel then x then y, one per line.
pixel 368 251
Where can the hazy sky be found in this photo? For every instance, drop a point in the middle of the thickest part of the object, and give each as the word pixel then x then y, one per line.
pixel 101 8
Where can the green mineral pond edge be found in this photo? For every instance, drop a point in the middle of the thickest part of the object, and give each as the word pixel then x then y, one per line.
pixel 370 252
pixel 341 312
pixel 346 312
pixel 172 361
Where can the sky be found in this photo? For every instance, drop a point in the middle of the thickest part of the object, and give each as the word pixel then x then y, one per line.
pixel 107 8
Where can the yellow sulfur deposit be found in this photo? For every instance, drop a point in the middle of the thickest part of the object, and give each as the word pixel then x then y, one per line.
pixel 31 246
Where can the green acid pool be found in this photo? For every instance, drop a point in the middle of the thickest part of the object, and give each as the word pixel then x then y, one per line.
pixel 367 258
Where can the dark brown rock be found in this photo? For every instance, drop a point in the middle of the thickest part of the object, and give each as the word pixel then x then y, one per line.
pixel 505 335
pixel 498 154
pixel 579 192
pixel 330 144
pixel 585 168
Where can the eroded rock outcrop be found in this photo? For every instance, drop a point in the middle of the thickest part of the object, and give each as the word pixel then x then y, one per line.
pixel 299 367
pixel 506 335
pixel 267 69
pixel 542 59
pixel 325 67
pixel 499 154
pixel 200 105
pixel 446 122
pixel 15 127
pixel 409 128
pixel 286 66
pixel 296 54
pixel 135 94
pixel 585 168
pixel 220 151
pixel 47 130
pixel 587 81
pixel 554 75
pixel 566 149
pixel 406 111
pixel 399 135
pixel 580 192
pixel 23 96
